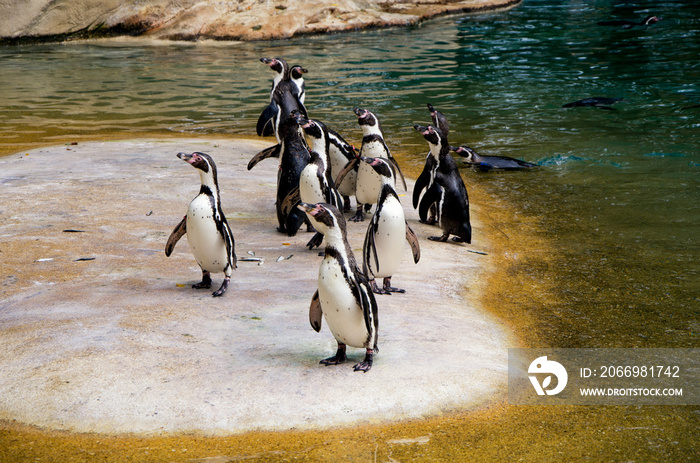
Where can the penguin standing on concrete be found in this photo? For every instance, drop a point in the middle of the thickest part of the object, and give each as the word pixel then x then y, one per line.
pixel 487 163
pixel 208 232
pixel 344 296
pixel 369 183
pixel 425 179
pixel 288 87
pixel 447 191
pixel 387 233
pixel 315 182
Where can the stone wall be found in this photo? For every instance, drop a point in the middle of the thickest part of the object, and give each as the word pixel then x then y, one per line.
pixel 27 20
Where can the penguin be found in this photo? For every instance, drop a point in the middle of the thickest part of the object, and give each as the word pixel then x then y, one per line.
pixel 447 191
pixel 315 182
pixel 344 297
pixel 626 24
pixel 368 182
pixel 425 179
pixel 287 94
pixel 387 233
pixel 208 232
pixel 487 163
pixel 340 153
pixel 596 102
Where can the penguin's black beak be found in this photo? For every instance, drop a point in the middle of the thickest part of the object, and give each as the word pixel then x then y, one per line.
pixel 306 207
pixel 430 108
pixel 185 156
pixel 359 112
pixel 299 117
pixel 421 128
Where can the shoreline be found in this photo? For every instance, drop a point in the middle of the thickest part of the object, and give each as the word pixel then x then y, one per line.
pixel 188 174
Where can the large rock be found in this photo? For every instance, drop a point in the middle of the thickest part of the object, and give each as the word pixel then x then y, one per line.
pixel 220 20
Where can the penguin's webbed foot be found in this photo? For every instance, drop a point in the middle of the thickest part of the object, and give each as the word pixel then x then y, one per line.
pixel 366 364
pixel 315 241
pixel 205 283
pixel 223 288
pixel 376 289
pixel 359 215
pixel 337 359
pixel 457 239
pixel 390 289
pixel 441 239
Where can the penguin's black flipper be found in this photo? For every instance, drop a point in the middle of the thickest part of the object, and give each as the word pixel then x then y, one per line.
pixel 433 195
pixel 266 125
pixel 175 236
pixel 226 233
pixel 348 167
pixel 316 313
pixel 290 201
pixel 369 248
pixel 412 239
pixel 271 152
pixel 421 184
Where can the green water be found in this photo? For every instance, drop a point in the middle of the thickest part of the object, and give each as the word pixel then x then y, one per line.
pixel 617 193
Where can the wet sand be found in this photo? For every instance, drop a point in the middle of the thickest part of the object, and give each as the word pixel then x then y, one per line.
pixel 123 344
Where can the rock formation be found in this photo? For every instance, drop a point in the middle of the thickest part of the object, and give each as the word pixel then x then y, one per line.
pixel 51 20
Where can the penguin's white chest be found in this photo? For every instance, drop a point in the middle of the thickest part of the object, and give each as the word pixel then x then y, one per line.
pixel 309 186
pixel 342 313
pixel 207 244
pixel 389 238
pixel 369 183
pixel 338 162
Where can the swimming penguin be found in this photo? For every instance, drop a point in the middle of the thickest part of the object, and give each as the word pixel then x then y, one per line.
pixel 425 179
pixel 344 296
pixel 626 24
pixel 596 102
pixel 287 94
pixel 208 233
pixel 368 182
pixel 447 191
pixel 487 163
pixel 315 182
pixel 387 233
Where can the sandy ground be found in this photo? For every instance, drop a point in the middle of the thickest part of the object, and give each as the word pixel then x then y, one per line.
pixel 123 344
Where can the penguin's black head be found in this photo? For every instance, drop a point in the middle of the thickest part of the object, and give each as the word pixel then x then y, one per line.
pixel 297 72
pixel 465 152
pixel 312 128
pixel 276 64
pixel 365 117
pixel 201 161
pixel 380 166
pixel 324 214
pixel 430 133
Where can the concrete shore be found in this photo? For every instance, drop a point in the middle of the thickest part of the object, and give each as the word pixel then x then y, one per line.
pixel 121 343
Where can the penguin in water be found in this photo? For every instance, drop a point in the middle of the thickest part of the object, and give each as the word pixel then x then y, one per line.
pixel 626 24
pixel 369 183
pixel 447 191
pixel 425 179
pixel 206 227
pixel 487 163
pixel 595 102
pixel 344 296
pixel 315 182
pixel 387 233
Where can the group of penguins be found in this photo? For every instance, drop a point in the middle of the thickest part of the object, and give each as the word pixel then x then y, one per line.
pixel 318 172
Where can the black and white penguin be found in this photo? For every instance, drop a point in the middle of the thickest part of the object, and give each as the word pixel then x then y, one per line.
pixel 626 24
pixel 344 297
pixel 594 102
pixel 387 233
pixel 368 181
pixel 315 182
pixel 487 163
pixel 425 179
pixel 287 94
pixel 208 232
pixel 340 153
pixel 447 191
